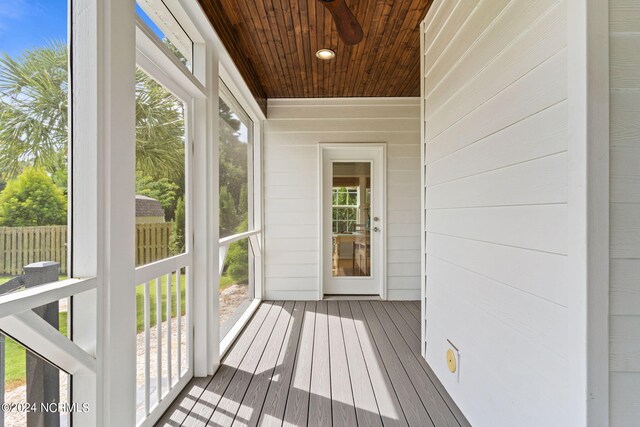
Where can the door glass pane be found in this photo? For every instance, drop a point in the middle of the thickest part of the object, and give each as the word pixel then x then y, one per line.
pixel 160 172
pixel 351 249
pixel 34 141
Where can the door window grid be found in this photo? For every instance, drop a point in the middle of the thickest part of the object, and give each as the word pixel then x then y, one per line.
pixel 345 209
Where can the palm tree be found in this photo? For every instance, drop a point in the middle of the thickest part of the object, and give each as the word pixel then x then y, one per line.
pixel 34 114
pixel 33 109
pixel 159 130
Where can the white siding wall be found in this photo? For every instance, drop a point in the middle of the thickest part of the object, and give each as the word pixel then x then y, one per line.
pixel 292 133
pixel 495 112
pixel 624 26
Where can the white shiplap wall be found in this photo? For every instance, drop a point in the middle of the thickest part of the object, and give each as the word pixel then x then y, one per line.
pixel 624 62
pixel 495 111
pixel 292 132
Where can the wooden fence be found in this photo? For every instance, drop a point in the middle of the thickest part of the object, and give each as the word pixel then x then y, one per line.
pixel 20 246
pixel 152 242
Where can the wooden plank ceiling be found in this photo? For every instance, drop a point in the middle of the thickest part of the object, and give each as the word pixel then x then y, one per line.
pixel 273 43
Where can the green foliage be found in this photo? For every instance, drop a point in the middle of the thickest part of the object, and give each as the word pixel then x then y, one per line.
pixel 34 113
pixel 163 190
pixel 177 240
pixel 33 109
pixel 237 262
pixel 159 130
pixel 233 173
pixel 228 220
pixel 238 268
pixel 32 199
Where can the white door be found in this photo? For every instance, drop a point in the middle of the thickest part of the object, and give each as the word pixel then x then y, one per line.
pixel 353 218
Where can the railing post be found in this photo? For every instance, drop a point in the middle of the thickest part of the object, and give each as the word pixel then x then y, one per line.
pixel 43 379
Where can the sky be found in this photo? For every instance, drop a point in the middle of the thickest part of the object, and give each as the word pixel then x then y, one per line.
pixel 26 24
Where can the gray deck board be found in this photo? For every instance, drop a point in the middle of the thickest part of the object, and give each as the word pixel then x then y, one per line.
pixel 408 311
pixel 230 402
pixel 439 411
pixel 249 412
pixel 320 399
pixel 210 397
pixel 297 409
pixel 411 308
pixel 343 408
pixel 363 396
pixel 415 348
pixel 412 406
pixel 276 401
pixel 340 363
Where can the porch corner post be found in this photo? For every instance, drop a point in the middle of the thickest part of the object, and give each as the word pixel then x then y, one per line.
pixel 115 50
pixel 206 342
pixel 588 210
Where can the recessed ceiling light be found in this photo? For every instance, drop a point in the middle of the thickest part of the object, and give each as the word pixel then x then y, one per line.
pixel 325 54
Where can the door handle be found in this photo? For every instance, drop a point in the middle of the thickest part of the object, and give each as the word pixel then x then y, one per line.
pixel 376 229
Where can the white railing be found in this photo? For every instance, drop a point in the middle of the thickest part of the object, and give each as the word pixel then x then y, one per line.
pixel 20 322
pixel 255 275
pixel 164 343
pixel 254 241
pixel 40 295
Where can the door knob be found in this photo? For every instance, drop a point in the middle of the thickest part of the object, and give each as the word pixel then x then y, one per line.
pixel 376 229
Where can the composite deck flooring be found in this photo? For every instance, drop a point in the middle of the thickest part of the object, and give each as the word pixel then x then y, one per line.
pixel 326 363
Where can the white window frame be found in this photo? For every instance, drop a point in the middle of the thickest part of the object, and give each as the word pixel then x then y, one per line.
pixel 235 100
pixel 155 59
pixel 356 206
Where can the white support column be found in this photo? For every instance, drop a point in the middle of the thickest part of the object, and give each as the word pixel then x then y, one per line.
pixel 205 220
pixel 588 198
pixel 103 45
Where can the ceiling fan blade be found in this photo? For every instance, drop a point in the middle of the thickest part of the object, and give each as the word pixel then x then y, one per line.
pixel 347 25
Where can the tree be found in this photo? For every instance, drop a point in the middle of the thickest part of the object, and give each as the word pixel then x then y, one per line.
pixel 32 199
pixel 159 130
pixel 233 172
pixel 228 214
pixel 33 109
pixel 34 113
pixel 177 240
pixel 163 190
pixel 238 258
pixel 237 261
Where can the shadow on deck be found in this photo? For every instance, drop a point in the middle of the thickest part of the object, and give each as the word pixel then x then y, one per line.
pixel 341 363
